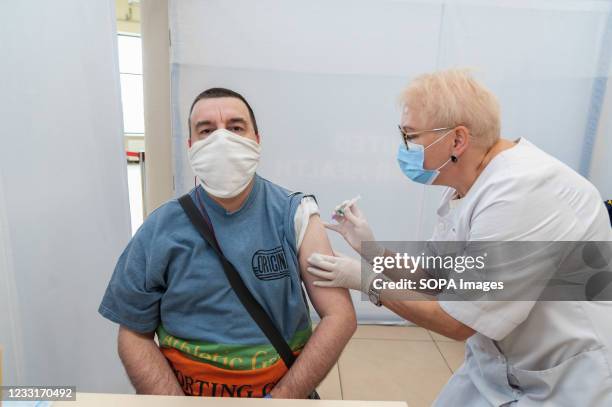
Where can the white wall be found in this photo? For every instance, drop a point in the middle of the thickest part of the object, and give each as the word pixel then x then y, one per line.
pixel 158 143
pixel 601 168
pixel 64 214
pixel 601 164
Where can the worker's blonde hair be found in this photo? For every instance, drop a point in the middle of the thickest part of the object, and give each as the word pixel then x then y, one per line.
pixel 451 98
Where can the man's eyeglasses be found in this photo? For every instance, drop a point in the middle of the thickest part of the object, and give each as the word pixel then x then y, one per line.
pixel 407 136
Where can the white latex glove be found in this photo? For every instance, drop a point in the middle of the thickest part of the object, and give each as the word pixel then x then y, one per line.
pixel 339 271
pixel 354 228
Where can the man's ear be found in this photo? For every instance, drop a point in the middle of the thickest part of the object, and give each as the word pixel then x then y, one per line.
pixel 258 138
pixel 189 142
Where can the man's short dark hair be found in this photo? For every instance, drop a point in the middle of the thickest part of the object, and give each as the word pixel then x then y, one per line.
pixel 214 93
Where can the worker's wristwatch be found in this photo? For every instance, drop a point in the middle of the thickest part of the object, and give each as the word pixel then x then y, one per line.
pixel 373 293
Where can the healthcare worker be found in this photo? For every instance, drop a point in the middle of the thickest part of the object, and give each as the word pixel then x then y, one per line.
pixel 524 353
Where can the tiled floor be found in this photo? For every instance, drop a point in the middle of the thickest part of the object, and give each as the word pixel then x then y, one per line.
pixel 393 363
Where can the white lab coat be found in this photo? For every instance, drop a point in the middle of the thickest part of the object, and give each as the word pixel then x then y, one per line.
pixel 529 353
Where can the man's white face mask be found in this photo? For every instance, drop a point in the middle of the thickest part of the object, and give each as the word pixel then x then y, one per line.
pixel 224 162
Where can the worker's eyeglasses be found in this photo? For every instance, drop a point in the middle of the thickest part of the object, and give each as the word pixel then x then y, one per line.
pixel 408 136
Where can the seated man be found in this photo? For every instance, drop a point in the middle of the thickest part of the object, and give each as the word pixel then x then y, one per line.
pixel 169 281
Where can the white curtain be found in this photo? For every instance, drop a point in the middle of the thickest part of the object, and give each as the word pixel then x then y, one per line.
pixel 64 212
pixel 323 78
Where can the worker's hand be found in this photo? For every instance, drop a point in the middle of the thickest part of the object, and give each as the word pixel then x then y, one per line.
pixel 354 227
pixel 340 271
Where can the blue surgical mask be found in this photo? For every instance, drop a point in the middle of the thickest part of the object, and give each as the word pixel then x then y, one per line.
pixel 411 162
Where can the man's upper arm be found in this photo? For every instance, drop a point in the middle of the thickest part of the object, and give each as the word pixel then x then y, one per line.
pixel 326 301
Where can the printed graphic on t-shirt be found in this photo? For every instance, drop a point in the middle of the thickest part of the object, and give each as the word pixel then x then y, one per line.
pixel 270 264
pixel 223 370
